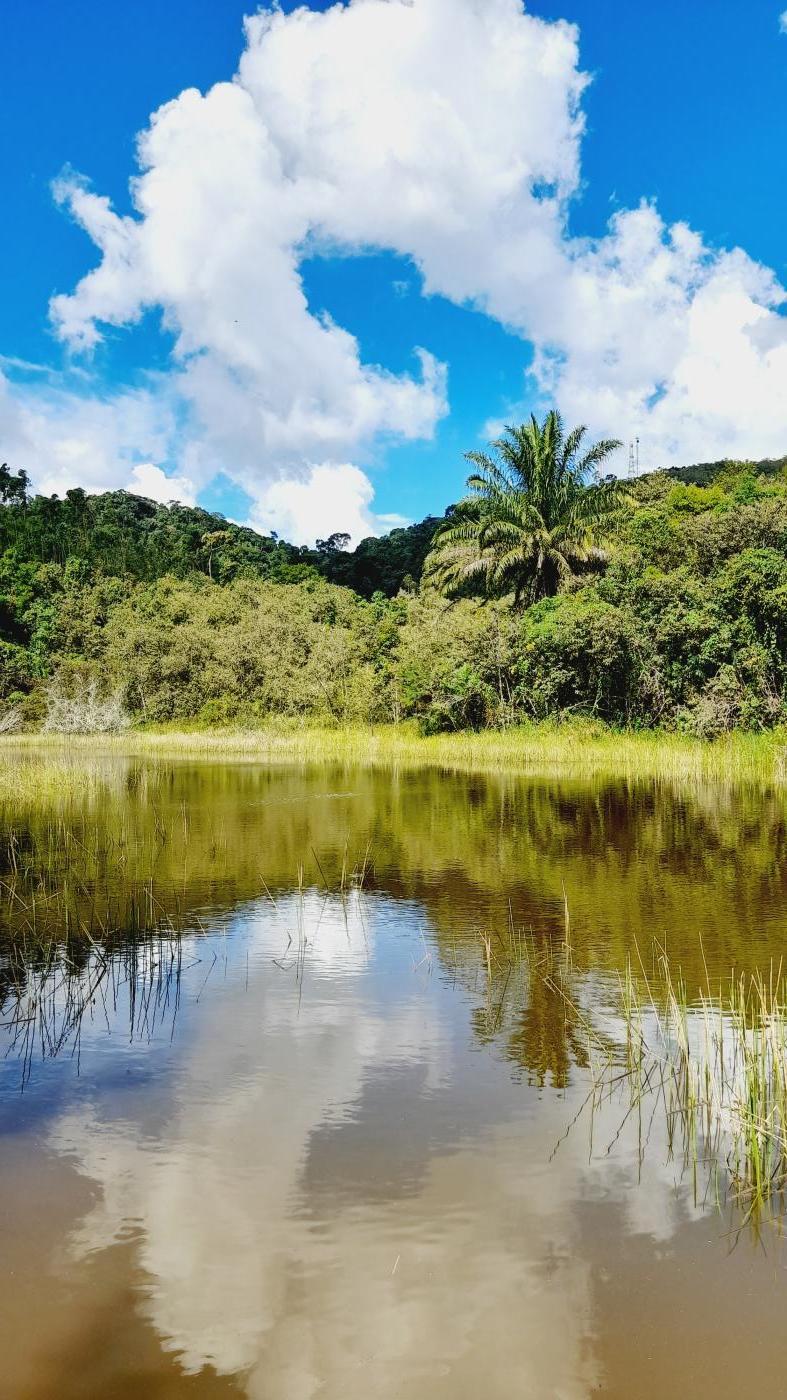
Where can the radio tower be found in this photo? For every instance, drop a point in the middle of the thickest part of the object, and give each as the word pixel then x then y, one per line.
pixel 632 465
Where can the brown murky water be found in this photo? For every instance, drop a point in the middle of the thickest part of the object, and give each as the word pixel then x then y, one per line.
pixel 283 1127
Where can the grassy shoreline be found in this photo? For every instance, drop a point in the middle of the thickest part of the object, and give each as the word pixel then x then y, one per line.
pixel 575 748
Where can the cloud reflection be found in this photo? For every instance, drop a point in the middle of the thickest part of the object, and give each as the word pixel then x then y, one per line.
pixel 471 1284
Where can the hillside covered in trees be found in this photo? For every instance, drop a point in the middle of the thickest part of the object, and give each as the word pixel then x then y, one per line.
pixel 677 618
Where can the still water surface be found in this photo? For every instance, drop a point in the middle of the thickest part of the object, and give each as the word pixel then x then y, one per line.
pixel 318 1133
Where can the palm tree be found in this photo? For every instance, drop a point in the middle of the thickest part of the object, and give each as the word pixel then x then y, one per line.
pixel 531 518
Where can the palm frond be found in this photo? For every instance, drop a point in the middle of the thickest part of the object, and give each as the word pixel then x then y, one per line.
pixel 530 518
pixel 597 454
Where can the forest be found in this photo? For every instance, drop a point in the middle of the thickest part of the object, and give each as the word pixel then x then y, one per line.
pixel 548 591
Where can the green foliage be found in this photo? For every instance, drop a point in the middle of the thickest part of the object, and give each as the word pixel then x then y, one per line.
pixel 681 623
pixel 707 473
pixel 15 669
pixel 381 565
pixel 578 652
pixel 121 534
pixel 454 664
pixel 531 521
pixel 13 486
pixel 693 499
pixel 250 648
pixel 128 536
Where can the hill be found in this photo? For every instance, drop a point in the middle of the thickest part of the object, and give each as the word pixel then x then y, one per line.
pixel 705 473
pixel 175 613
pixel 121 535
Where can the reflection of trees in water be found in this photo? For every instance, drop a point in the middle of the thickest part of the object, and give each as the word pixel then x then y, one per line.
pixel 128 845
pixel 548 1041
pixel 523 1003
pixel 538 1033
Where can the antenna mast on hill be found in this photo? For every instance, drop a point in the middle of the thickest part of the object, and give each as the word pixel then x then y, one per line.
pixel 633 470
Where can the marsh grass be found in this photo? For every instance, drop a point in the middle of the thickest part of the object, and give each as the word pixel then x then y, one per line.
pixel 717 1064
pixel 76 950
pixel 82 928
pixel 75 882
pixel 50 993
pixel 703 1073
pixel 572 747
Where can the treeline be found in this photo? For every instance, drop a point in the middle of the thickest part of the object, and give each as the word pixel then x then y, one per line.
pixel 120 535
pixel 679 621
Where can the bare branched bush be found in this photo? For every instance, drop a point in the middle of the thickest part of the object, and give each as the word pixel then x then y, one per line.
pixel 84 710
pixel 728 703
pixel 11 720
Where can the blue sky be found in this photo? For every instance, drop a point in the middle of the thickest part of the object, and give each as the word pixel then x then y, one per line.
pixel 685 109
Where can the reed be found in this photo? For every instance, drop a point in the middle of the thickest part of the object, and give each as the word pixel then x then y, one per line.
pixel 708 1067
pixel 717 1065
pixel 50 991
pixel 575 747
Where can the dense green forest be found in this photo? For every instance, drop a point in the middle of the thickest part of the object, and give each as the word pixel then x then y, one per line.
pixel 665 603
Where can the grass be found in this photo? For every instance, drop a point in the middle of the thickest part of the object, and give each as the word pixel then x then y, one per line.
pixel 573 748
pixel 718 1065
pixel 709 1070
pixel 47 998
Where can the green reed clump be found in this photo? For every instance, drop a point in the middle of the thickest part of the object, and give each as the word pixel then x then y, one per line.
pixel 47 1002
pixel 704 1070
pixel 576 746
pixel 718 1065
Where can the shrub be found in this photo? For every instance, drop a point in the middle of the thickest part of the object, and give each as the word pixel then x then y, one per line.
pixel 578 652
pixel 455 664
pixel 732 701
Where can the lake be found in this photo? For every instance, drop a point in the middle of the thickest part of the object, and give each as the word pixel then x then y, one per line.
pixel 299 1085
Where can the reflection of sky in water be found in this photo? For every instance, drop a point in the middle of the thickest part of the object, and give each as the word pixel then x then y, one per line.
pixel 328 1186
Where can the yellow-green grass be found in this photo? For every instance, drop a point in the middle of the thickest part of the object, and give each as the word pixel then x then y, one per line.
pixel 718 1066
pixel 574 748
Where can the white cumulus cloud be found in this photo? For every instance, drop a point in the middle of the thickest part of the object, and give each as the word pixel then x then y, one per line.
pixel 357 129
pixel 149 480
pixel 335 497
pixel 70 437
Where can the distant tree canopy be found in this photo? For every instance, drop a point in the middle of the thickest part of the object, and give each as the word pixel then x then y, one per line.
pixel 705 473
pixel 13 487
pixel 670 612
pixel 382 564
pixel 118 534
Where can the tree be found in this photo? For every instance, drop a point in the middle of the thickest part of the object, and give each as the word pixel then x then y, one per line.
pixel 339 540
pixel 531 519
pixel 381 564
pixel 209 541
pixel 13 486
